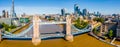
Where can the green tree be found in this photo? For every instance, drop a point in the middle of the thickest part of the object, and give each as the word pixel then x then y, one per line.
pixel 80 24
pixel 95 31
pixel 110 34
pixel 12 26
pixel 8 27
pixel 99 20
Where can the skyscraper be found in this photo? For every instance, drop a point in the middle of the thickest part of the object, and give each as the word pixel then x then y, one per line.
pixel 63 12
pixel 79 12
pixel 5 14
pixel 85 12
pixel 98 14
pixel 14 20
pixel 94 13
pixel 76 9
pixel 13 10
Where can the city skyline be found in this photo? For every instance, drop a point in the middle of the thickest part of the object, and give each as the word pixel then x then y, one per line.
pixel 55 6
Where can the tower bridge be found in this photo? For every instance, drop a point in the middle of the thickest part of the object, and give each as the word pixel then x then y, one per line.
pixel 36 35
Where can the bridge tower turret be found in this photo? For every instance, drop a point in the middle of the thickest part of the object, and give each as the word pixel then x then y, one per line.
pixel 36 39
pixel 68 36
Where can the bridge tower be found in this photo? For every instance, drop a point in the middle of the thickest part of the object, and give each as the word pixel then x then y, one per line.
pixel 36 39
pixel 69 36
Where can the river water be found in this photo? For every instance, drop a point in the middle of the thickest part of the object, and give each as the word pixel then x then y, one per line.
pixel 46 29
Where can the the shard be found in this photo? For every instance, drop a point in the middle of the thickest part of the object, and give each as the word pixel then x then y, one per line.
pixel 13 10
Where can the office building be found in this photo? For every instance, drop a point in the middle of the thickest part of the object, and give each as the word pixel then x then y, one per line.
pixel 76 9
pixel 13 10
pixel 63 12
pixel 85 12
pixel 3 13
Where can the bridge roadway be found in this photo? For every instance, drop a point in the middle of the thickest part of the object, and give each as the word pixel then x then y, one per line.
pixel 28 34
pixel 43 23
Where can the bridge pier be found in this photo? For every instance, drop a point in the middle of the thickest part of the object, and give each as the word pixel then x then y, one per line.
pixel 36 39
pixel 68 36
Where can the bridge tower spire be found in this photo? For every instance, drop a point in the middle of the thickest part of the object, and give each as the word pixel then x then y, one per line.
pixel 69 35
pixel 36 39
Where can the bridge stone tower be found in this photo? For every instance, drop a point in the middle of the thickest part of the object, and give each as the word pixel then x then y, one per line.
pixel 36 39
pixel 68 36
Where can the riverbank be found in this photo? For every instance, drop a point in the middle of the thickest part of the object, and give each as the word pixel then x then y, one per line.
pixel 21 29
pixel 83 40
pixel 117 42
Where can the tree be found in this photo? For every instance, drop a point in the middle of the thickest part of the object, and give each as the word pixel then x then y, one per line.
pixel 8 27
pixel 99 20
pixel 110 34
pixel 95 31
pixel 80 24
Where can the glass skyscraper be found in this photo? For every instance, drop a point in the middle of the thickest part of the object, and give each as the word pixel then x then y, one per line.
pixel 85 12
pixel 63 12
pixel 77 10
pixel 13 10
pixel 98 14
pixel 3 13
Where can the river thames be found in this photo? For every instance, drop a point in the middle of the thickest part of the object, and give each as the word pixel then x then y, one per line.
pixel 83 40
